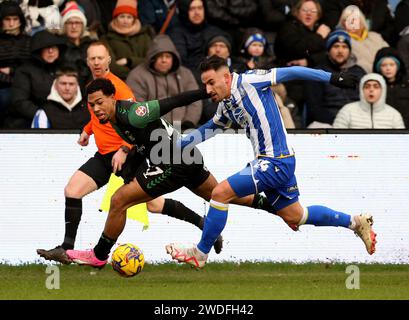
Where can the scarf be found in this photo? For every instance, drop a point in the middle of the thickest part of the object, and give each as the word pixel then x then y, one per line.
pixel 359 38
pixel 131 31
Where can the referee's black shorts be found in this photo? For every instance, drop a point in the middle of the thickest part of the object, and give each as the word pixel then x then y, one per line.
pixel 99 167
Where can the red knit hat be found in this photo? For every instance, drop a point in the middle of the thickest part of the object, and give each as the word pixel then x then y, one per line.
pixel 125 6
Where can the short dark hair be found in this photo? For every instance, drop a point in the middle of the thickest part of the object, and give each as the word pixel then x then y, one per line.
pixel 67 71
pixel 102 84
pixel 212 63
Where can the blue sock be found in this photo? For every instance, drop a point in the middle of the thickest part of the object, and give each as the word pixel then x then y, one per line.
pixel 214 224
pixel 323 216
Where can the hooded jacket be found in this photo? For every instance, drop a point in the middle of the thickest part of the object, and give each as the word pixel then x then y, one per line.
pixel 148 84
pixel 191 39
pixel 33 80
pixel 63 115
pixel 363 115
pixel 14 49
pixel 397 94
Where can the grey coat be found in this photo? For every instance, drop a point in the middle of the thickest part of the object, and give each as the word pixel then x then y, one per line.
pixel 148 84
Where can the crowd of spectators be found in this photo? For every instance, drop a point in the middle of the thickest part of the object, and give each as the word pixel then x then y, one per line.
pixel 156 47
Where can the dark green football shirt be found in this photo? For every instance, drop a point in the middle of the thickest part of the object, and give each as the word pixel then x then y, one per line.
pixel 139 124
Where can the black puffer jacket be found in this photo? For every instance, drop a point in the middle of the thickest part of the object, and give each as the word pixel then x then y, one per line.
pixel 397 94
pixel 401 16
pixel 76 57
pixel 325 100
pixel 232 13
pixel 295 41
pixel 61 118
pixel 190 39
pixel 14 49
pixel 274 13
pixel 33 81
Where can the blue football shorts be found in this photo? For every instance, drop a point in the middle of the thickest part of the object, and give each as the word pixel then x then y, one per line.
pixel 274 177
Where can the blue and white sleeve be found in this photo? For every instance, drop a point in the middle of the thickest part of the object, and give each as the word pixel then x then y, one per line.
pixel 301 73
pixel 259 78
pixel 206 131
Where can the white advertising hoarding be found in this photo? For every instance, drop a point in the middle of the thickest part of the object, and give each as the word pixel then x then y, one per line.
pixel 353 173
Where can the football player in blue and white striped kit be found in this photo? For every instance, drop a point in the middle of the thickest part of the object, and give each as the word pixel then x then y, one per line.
pixel 247 100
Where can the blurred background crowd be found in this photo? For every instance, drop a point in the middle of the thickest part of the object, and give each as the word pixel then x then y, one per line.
pixel 156 46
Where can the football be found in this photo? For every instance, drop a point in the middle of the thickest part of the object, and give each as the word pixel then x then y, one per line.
pixel 127 260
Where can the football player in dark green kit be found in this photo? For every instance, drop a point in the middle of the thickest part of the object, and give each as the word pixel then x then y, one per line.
pixel 158 166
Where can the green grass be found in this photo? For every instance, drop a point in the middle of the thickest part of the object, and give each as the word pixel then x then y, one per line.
pixel 217 281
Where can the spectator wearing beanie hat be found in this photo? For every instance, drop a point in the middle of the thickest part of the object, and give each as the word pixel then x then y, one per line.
pixel 324 101
pixel 128 40
pixel 338 35
pixel 220 45
pixel 73 21
pixel 74 28
pixel 253 50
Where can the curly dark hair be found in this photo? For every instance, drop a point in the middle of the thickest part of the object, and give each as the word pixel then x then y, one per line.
pixel 102 84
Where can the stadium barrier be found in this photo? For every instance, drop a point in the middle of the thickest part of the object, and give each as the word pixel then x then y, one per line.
pixel 357 172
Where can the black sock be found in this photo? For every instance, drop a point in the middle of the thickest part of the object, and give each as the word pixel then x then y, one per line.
pixel 73 212
pixel 103 247
pixel 178 210
pixel 261 202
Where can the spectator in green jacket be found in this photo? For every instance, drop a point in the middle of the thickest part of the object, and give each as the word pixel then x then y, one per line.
pixel 127 38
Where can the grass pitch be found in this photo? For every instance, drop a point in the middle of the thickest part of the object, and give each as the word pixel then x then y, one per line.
pixel 217 281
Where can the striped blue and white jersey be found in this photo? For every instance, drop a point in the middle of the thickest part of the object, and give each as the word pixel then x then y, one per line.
pixel 253 107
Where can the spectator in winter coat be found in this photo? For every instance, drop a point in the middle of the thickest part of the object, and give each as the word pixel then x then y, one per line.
pixel 33 80
pixel 365 43
pixel 14 50
pixel 232 16
pixel 377 13
pixel 274 14
pixel 193 33
pixel 254 50
pixel 324 100
pixel 390 65
pixel 371 111
pixel 162 76
pixel 221 46
pixel 154 13
pixel 73 26
pixel 128 40
pixel 65 108
pixel 402 29
pixel 301 41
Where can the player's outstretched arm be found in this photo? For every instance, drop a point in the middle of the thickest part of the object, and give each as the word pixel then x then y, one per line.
pixel 141 113
pixel 339 79
pixel 204 132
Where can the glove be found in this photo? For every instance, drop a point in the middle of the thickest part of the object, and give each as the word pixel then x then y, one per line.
pixel 344 80
pixel 187 125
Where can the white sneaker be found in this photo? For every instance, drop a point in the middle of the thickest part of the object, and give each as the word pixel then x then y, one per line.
pixel 188 255
pixel 364 230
